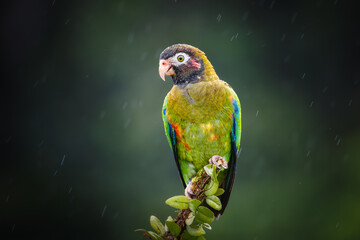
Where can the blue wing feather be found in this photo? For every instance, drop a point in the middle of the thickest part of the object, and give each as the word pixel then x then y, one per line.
pixel 236 120
pixel 235 145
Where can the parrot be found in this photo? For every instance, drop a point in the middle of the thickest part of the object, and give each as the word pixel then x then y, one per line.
pixel 201 116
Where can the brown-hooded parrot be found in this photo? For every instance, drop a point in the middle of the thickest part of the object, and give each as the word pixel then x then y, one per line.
pixel 201 115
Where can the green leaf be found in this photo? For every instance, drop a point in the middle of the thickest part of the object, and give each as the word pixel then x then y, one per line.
pixel 214 172
pixel 153 236
pixel 214 202
pixel 204 215
pixel 219 192
pixel 187 236
pixel 194 230
pixel 157 225
pixel 168 219
pixel 180 202
pixel 212 187
pixel 209 170
pixel 193 204
pixel 190 218
pixel 173 228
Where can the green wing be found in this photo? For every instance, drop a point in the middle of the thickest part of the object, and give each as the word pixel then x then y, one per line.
pixel 235 146
pixel 171 137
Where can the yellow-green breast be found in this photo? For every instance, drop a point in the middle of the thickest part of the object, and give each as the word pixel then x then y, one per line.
pixel 201 116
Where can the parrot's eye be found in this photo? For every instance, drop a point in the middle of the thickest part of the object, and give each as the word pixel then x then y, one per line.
pixel 180 58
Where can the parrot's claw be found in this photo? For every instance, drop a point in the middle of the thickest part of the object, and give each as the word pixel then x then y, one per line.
pixel 189 191
pixel 219 162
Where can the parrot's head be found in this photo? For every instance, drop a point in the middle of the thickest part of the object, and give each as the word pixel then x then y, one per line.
pixel 185 64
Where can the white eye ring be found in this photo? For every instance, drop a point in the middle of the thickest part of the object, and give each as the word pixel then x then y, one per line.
pixel 184 56
pixel 180 58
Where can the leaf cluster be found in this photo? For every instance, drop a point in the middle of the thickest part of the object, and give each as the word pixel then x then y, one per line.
pixel 193 216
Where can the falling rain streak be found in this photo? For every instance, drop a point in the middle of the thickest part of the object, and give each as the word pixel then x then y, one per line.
pixel 311 104
pixel 127 123
pixel 62 161
pixel 103 211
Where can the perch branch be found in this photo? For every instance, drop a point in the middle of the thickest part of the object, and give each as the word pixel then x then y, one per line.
pixel 196 189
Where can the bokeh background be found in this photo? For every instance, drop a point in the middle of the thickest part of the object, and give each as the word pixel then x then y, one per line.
pixel 83 150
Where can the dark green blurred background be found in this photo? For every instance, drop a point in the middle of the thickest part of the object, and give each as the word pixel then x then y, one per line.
pixel 83 150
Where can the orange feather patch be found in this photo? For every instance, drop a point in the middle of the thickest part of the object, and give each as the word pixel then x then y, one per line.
pixel 179 134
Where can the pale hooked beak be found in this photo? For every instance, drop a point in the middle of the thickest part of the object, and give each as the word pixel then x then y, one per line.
pixel 165 69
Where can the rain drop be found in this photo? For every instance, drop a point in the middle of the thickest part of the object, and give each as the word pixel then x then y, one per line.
pixel 103 211
pixel 125 105
pixel 148 28
pixel 239 151
pixel 35 84
pixel 127 123
pixel 102 114
pixel 311 104
pixel 287 58
pixel 62 161
pixel 130 38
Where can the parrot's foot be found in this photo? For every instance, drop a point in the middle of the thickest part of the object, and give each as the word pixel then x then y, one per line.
pixel 189 191
pixel 218 161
